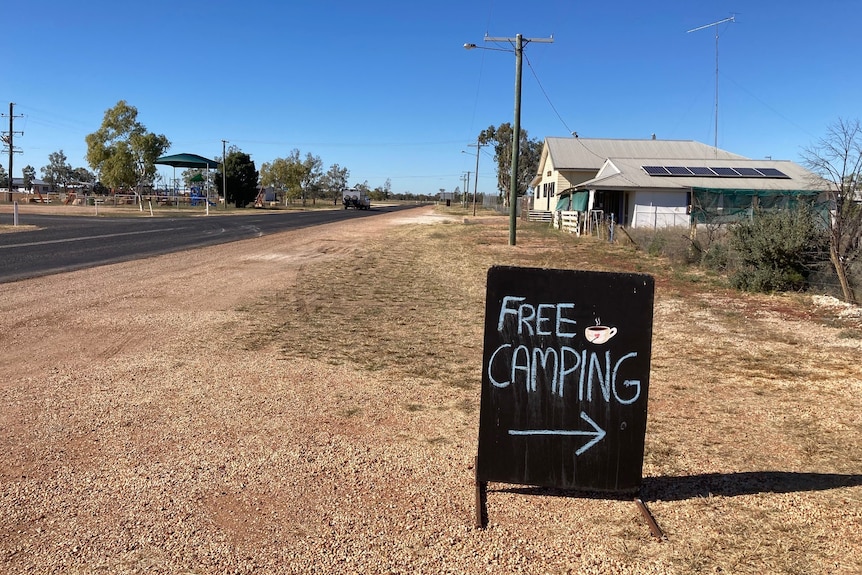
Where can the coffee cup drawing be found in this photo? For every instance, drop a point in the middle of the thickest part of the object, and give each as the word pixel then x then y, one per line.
pixel 599 334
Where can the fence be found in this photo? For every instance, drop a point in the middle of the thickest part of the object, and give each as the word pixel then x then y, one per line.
pixel 539 216
pixel 568 221
pixel 660 217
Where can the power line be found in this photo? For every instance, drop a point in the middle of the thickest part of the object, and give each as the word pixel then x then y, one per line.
pixel 542 88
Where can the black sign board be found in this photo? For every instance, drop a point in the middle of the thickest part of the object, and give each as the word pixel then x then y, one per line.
pixel 565 377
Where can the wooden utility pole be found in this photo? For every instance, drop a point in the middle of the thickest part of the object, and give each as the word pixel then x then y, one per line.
pixel 8 139
pixel 518 43
pixel 224 171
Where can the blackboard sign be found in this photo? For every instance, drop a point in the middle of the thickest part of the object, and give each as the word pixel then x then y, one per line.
pixel 565 378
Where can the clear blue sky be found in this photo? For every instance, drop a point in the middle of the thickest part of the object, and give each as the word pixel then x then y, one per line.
pixel 387 90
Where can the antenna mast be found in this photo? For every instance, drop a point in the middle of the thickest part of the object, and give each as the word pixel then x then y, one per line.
pixel 715 24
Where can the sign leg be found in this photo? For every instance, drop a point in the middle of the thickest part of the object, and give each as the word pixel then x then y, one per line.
pixel 480 519
pixel 653 526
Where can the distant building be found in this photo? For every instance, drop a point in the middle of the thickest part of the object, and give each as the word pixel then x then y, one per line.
pixel 37 186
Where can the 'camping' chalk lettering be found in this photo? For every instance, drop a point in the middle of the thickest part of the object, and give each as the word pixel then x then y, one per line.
pixel 557 367
pixel 561 368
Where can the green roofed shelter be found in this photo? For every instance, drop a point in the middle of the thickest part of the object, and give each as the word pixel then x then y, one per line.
pixel 187 161
pixel 190 161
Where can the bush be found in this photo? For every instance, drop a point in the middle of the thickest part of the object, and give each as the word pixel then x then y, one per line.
pixel 716 257
pixel 672 243
pixel 776 251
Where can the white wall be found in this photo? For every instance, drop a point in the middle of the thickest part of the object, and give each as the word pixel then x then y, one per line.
pixel 659 209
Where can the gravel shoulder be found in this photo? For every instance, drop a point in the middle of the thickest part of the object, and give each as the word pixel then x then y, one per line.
pixel 140 434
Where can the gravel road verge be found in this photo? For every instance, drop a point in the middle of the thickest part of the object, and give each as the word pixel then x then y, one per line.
pixel 138 434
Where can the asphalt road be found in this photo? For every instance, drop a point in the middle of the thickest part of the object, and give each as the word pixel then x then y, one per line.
pixel 66 243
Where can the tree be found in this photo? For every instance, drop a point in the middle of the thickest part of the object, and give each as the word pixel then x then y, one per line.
pixel 58 172
pixel 4 178
pixel 308 172
pixel 122 151
pixel 29 173
pixel 837 158
pixel 335 180
pixel 83 176
pixel 529 152
pixel 280 175
pixel 241 178
pixel 297 176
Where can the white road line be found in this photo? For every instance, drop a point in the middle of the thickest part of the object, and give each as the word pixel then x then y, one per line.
pixel 103 236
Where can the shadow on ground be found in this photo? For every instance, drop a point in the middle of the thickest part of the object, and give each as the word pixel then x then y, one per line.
pixel 679 488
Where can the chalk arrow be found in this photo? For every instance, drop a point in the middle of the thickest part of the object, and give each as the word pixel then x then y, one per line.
pixel 597 435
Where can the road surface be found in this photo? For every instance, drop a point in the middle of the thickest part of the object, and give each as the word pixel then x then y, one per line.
pixel 65 243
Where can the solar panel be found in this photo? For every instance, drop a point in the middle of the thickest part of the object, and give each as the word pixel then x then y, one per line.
pixel 748 172
pixel 725 172
pixel 722 171
pixel 678 170
pixel 701 171
pixel 772 173
pixel 656 170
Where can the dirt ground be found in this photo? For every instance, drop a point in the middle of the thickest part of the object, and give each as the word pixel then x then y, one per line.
pixel 308 403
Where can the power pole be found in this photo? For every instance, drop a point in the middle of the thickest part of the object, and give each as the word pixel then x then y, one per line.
pixel 466 187
pixel 224 171
pixel 8 139
pixel 478 145
pixel 518 42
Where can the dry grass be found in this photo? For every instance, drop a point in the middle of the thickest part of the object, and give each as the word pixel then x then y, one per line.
pixel 320 416
pixel 754 446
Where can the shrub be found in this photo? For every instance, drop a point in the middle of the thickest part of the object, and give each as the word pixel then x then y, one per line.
pixel 776 250
pixel 716 256
pixel 671 243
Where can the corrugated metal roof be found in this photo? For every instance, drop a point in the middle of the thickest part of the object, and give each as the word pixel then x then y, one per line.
pixel 591 153
pixel 625 173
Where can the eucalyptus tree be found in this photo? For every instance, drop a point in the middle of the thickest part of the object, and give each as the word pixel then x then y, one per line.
pixel 122 151
pixel 529 153
pixel 277 175
pixel 58 172
pixel 29 173
pixel 335 180
pixel 308 172
pixel 295 175
pixel 83 175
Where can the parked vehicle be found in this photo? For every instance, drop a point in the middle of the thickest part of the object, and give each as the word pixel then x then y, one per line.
pixel 356 199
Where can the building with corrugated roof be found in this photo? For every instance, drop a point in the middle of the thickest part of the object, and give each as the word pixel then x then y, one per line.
pixel 660 183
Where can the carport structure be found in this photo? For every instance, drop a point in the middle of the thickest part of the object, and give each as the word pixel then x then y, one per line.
pixel 189 161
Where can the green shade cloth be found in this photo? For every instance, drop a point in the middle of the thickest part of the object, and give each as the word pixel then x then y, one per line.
pixel 717 205
pixel 580 200
pixel 187 161
pixel 576 202
pixel 563 203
